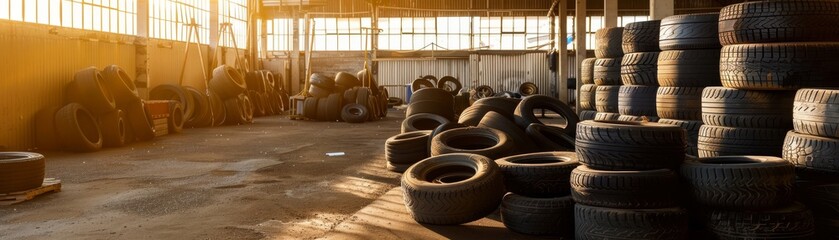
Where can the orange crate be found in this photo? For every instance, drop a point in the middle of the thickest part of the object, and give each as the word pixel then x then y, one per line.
pixel 158 109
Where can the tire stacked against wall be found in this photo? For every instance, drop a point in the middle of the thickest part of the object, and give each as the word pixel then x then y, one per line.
pixel 688 63
pixel 637 97
pixel 588 91
pixel 607 72
pixel 627 187
pixel 345 98
pixel 230 87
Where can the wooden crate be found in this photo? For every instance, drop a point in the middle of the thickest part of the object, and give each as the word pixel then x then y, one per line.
pixel 49 185
pixel 161 127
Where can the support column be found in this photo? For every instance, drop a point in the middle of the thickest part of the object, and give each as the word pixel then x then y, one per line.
pixel 579 43
pixel 610 13
pixel 141 44
pixel 660 9
pixel 294 82
pixel 214 36
pixel 562 65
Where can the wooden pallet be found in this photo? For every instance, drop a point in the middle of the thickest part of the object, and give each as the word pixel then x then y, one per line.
pixel 49 185
pixel 296 117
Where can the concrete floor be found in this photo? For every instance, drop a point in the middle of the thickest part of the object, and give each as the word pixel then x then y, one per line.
pixel 267 180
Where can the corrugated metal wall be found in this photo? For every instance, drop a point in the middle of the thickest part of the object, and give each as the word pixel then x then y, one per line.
pixel 394 74
pixel 508 72
pixel 36 66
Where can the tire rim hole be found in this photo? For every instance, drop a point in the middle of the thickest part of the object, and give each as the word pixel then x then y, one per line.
pixel 471 142
pixel 88 126
pixel 426 124
pixel 450 174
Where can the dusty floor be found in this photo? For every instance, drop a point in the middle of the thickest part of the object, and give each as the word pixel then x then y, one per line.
pixel 270 180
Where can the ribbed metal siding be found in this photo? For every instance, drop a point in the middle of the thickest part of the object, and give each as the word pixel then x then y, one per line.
pixel 395 74
pixel 508 72
pixel 36 67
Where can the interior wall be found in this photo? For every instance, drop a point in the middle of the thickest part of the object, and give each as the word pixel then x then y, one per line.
pixel 38 62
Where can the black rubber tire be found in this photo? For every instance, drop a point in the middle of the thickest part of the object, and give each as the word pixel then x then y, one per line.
pixel 656 188
pixel 384 95
pixel 443 83
pixel 528 88
pixel 684 103
pixel 432 107
pixel 486 142
pixel 255 81
pixel 217 107
pixel 542 175
pixel 347 80
pixel 613 145
pixel 692 129
pixel 477 193
pixel 640 69
pixel 322 112
pixel 538 216
pixel 689 31
pixel 310 108
pixel 201 117
pixel 609 42
pixel 235 111
pixel 517 136
pixel 822 199
pixel 78 129
pixel 607 71
pixel 350 95
pixel 174 93
pixel 604 116
pixel 433 94
pixel 354 113
pixel 815 112
pixel 587 71
pixel 812 153
pixel 431 78
pixel 176 118
pixel 587 96
pixel 21 171
pixel 120 85
pixel 227 82
pixel 372 104
pixel 587 115
pixel 482 91
pixel 422 121
pixel 739 182
pixel 779 21
pixel 506 105
pixel 717 141
pixel 394 101
pixel 606 99
pixel 524 115
pixel 319 92
pixel 793 66
pixel 322 81
pixel 362 96
pixel 731 107
pixel 641 37
pixel 550 138
pixel 597 223
pixel 791 221
pixel 88 89
pixel 637 100
pixel 258 106
pixel 113 126
pixel 420 83
pixel 334 105
pixel 140 122
pixel 689 68
pixel 473 115
pixel 247 108
pixel 45 131
pixel 405 149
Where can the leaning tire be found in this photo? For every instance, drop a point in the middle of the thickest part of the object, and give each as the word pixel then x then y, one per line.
pixel 21 171
pixel 550 138
pixel 518 138
pixel 121 85
pixel 201 117
pixel 473 140
pixel 439 190
pixel 174 93
pixel 630 145
pixel 611 223
pixel 78 129
pixel 176 118
pixel 524 115
pixel 779 21
pixel 227 82
pixel 422 121
pixel 88 89
pixel 793 66
pixel 114 128
pixel 444 82
pixel 690 31
pixel 544 174
pixel 141 124
pixel 421 83
pixel 538 216
pixel 740 182
pixel 656 188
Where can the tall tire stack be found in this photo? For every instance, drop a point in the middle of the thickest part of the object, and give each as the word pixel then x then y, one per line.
pixel 607 72
pixel 538 201
pixel 688 63
pixel 230 96
pixel 588 91
pixel 637 97
pixel 746 197
pixel 627 187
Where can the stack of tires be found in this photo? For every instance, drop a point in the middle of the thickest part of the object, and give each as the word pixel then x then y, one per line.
pixel 588 90
pixel 229 86
pixel 607 72
pixel 746 197
pixel 688 63
pixel 449 84
pixel 266 93
pixel 627 188
pixel 104 110
pixel 637 97
pixel 344 99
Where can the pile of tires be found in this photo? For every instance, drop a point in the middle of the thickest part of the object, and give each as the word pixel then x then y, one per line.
pixel 637 96
pixel 228 97
pixel 267 93
pixel 688 63
pixel 607 72
pixel 345 98
pixel 104 109
pixel 627 187
pixel 587 94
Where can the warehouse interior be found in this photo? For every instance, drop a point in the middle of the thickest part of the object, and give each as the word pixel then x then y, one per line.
pixel 419 119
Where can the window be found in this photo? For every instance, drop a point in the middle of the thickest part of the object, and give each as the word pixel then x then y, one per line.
pixel 234 12
pixel 115 16
pixel 340 34
pixel 595 23
pixel 512 33
pixel 279 34
pixel 168 19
